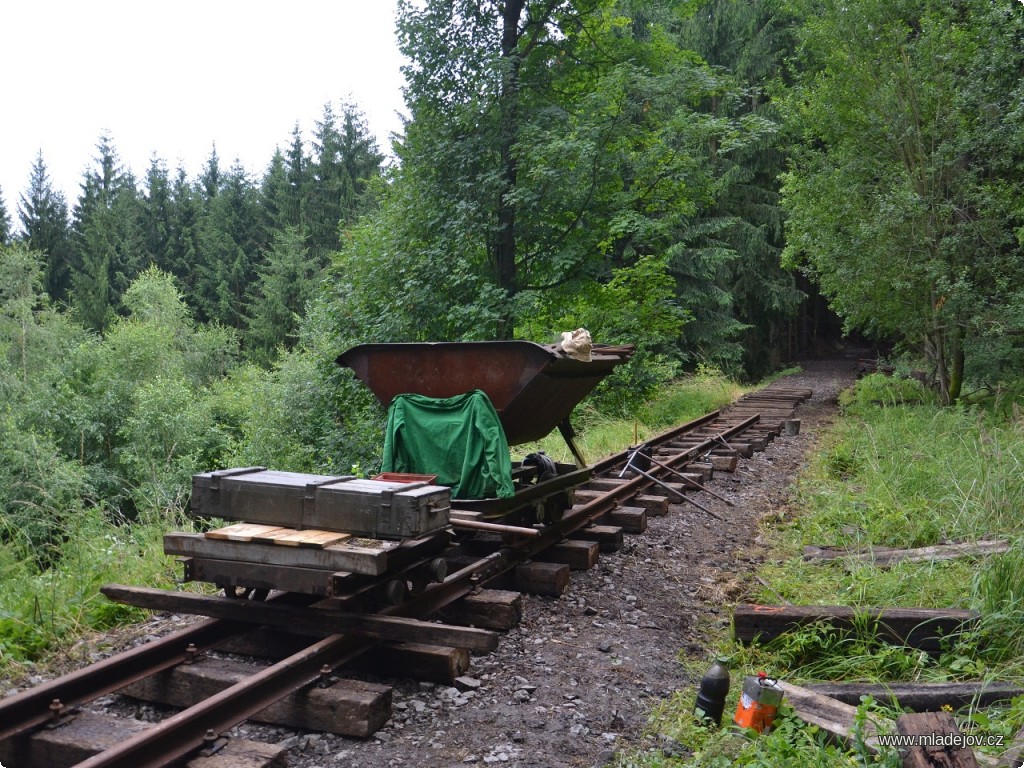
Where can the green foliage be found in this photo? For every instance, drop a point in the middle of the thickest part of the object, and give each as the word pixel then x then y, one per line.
pixel 5 221
pixel 905 222
pixel 879 389
pixel 286 284
pixel 688 398
pixel 44 221
pixel 41 609
pixel 652 320
pixel 549 169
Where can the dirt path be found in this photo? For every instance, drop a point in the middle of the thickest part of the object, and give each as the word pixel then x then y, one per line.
pixel 577 679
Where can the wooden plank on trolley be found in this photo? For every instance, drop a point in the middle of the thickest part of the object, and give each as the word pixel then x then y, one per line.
pixel 351 555
pixel 464 514
pixel 322 618
pixel 307 581
pixel 289 537
pixel 241 531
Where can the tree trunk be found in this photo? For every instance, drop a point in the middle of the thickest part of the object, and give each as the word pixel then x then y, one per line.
pixel 505 251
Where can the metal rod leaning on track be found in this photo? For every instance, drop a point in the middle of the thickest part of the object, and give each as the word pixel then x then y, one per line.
pixel 693 483
pixel 480 525
pixel 631 467
pixel 24 711
pixel 587 513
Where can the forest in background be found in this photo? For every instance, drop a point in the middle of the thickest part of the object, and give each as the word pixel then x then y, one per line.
pixel 677 175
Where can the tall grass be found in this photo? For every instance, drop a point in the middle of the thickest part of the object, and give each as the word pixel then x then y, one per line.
pixel 42 610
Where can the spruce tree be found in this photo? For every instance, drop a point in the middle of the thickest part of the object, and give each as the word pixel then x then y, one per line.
pixel 5 222
pixel 231 239
pixel 108 238
pixel 346 158
pixel 46 229
pixel 157 216
pixel 286 283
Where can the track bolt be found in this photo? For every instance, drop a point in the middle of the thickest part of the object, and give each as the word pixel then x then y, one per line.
pixel 190 653
pixel 210 736
pixel 56 709
pixel 326 670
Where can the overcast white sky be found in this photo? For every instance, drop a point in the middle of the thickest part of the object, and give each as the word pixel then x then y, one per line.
pixel 173 78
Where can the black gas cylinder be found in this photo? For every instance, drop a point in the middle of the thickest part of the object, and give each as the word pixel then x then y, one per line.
pixel 714 687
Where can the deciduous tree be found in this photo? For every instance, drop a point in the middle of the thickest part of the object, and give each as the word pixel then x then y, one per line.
pixel 902 197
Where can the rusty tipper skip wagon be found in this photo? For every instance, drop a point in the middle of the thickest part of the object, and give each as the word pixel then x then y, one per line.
pixel 533 388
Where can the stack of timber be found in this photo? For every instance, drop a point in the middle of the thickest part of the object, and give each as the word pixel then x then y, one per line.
pixel 311 534
pixel 776 405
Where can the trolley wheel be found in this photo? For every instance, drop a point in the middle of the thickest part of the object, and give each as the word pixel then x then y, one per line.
pixel 238 592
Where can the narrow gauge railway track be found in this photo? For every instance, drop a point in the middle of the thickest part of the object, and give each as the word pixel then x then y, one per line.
pixel 485 555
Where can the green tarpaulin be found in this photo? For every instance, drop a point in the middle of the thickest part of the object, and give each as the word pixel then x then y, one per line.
pixel 459 439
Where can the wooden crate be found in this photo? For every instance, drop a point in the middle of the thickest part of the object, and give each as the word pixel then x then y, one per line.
pixel 371 508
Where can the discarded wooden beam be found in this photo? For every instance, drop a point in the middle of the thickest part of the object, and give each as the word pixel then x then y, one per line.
pixel 921 628
pixel 1012 757
pixel 497 609
pixel 321 619
pixel 932 728
pixel 922 697
pixel 834 717
pixel 344 707
pixel 884 556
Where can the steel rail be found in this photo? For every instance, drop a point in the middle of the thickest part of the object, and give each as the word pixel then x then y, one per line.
pixel 187 731
pixel 475 575
pixel 29 709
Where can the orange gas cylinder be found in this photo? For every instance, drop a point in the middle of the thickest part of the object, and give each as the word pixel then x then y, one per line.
pixel 758 703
